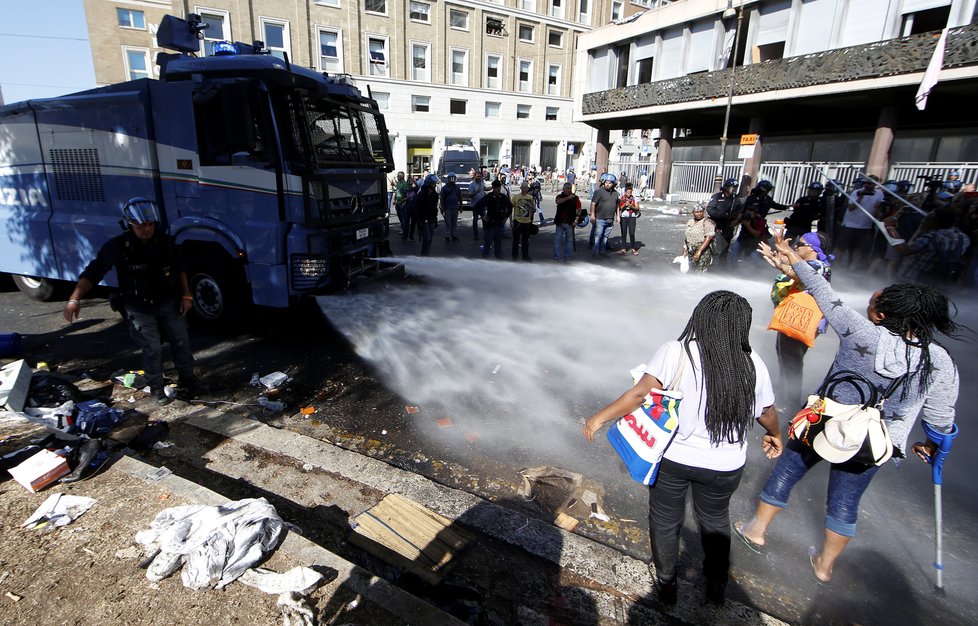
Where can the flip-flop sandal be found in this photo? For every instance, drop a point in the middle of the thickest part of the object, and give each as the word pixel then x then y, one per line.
pixel 622 252
pixel 634 252
pixel 811 559
pixel 756 548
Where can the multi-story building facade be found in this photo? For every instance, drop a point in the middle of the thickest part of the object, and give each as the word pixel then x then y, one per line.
pixel 824 82
pixel 496 74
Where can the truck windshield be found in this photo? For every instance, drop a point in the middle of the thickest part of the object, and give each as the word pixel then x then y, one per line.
pixel 331 133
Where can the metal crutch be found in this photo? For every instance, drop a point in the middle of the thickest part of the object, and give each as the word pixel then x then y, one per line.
pixel 943 441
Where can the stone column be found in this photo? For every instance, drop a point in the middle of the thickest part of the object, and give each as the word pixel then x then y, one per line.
pixel 663 162
pixel 752 166
pixel 602 149
pixel 879 154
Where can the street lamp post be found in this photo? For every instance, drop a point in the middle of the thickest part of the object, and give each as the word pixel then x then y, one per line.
pixel 730 90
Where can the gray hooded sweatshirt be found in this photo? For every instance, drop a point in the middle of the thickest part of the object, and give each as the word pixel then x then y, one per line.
pixel 881 356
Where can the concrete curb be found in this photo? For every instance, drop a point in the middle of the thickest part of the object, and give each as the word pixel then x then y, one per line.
pixel 596 562
pixel 358 580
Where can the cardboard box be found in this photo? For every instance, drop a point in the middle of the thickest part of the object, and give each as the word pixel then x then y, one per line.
pixel 40 470
pixel 15 380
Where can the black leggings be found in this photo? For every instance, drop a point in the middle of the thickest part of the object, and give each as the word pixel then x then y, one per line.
pixel 628 232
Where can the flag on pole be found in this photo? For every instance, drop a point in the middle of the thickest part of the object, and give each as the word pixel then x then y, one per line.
pixel 933 70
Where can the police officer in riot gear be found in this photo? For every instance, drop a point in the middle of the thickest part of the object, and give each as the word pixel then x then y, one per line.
pixel 153 290
pixel 759 200
pixel 723 209
pixel 807 209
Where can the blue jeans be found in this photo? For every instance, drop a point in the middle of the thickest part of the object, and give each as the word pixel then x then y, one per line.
pixel 712 491
pixel 149 328
pixel 847 482
pixel 563 241
pixel 602 231
pixel 476 218
pixel 492 240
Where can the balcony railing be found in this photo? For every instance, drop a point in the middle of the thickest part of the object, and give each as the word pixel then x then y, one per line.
pixel 892 57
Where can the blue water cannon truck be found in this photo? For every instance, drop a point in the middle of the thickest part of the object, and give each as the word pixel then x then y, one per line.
pixel 271 177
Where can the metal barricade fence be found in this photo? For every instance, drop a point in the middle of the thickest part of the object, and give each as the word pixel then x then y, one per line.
pixel 695 181
pixel 633 171
pixel 917 172
pixel 791 179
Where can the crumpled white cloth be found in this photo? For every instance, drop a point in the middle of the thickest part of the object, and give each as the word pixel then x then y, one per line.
pixel 59 510
pixel 291 588
pixel 215 544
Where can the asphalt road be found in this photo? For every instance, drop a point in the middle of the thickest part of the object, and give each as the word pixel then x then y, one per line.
pixel 885 576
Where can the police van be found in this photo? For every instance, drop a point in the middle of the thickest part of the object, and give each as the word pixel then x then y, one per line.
pixel 461 160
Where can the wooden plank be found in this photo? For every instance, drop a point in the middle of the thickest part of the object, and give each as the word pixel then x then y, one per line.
pixel 404 533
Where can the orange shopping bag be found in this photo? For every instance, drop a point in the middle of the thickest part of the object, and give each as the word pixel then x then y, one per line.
pixel 798 317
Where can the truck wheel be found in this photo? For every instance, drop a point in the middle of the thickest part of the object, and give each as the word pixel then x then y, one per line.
pixel 36 288
pixel 218 292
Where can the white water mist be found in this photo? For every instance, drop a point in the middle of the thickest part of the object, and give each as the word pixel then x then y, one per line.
pixel 560 339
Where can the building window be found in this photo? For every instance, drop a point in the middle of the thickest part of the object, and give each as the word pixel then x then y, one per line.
pixel 457 107
pixel 770 52
pixel 555 38
pixel 552 114
pixel 644 70
pixel 420 11
pixel 421 62
pixel 329 3
pixel 375 6
pixel 525 75
pixel 130 18
pixel 330 51
pixel 528 5
pixel 617 9
pixel 276 36
pixel 383 100
pixel 217 30
pixel 494 26
pixel 494 71
pixel 458 19
pixel 556 8
pixel 420 104
pixel 553 79
pixel 377 56
pixel 522 111
pixel 460 68
pixel 584 15
pixel 137 62
pixel 493 109
pixel 526 33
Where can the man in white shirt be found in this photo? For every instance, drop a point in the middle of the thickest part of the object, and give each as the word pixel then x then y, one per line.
pixel 856 237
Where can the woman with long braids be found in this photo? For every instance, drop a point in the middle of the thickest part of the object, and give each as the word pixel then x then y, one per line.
pixel 898 339
pixel 725 387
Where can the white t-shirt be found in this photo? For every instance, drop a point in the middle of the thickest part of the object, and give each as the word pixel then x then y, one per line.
pixel 692 446
pixel 859 219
